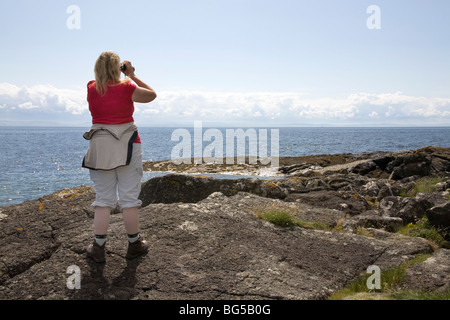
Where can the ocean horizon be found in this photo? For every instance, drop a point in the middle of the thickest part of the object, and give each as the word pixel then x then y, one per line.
pixel 36 161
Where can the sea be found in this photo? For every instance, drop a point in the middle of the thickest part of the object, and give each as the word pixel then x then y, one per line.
pixel 36 161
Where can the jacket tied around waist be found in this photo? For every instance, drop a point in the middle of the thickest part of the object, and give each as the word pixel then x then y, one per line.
pixel 110 146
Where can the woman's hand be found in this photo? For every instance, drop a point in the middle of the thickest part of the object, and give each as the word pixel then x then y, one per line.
pixel 129 69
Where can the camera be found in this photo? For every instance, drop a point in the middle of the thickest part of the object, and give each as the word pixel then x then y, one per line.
pixel 124 67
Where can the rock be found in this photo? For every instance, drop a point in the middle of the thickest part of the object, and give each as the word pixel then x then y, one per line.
pixel 439 217
pixel 410 210
pixel 387 190
pixel 349 203
pixel 371 189
pixel 431 275
pixel 382 162
pixel 216 248
pixel 391 224
pixel 433 198
pixel 293 168
pixel 409 164
pixel 188 188
pixel 400 247
pixel 363 168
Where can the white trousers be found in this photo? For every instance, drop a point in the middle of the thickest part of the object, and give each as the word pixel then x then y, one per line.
pixel 121 185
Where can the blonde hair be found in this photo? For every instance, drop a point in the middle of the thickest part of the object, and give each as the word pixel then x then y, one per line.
pixel 107 69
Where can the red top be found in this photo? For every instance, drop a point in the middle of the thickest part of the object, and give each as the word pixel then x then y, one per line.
pixel 115 107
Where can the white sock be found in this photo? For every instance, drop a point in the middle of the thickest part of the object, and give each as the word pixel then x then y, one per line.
pixel 100 239
pixel 133 237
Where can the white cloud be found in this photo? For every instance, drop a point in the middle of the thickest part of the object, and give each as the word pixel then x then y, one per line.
pixel 27 105
pixel 250 109
pixel 45 98
pixel 294 108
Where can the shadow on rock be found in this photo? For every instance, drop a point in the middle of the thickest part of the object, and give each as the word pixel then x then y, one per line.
pixel 96 286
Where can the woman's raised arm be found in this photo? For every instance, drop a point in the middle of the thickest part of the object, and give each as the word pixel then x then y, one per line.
pixel 143 93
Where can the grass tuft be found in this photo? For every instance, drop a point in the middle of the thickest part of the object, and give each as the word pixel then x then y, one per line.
pixel 422 185
pixel 424 229
pixel 391 280
pixel 285 219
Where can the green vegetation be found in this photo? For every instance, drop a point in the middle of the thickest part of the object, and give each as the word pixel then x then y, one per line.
pixel 285 219
pixel 363 232
pixel 391 280
pixel 422 185
pixel 424 230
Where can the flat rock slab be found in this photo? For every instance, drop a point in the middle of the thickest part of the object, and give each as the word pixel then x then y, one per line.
pixel 214 249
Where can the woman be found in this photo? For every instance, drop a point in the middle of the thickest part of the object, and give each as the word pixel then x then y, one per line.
pixel 114 156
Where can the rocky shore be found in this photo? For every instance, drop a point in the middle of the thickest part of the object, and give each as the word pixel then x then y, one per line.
pixel 214 238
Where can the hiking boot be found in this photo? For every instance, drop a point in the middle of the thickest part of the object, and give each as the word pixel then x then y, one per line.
pixel 136 249
pixel 96 252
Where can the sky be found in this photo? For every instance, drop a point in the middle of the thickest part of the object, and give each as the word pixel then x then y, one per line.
pixel 230 63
